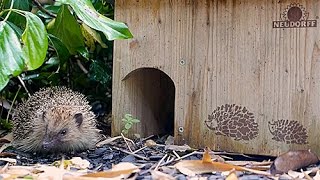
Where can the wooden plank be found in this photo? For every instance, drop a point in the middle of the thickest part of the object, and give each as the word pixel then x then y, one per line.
pixel 223 52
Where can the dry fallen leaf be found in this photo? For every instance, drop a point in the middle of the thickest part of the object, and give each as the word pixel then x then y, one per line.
pixel 7 138
pixel 232 176
pixel 150 143
pixel 157 175
pixel 317 176
pixel 80 163
pixel 121 170
pixel 293 160
pixel 295 174
pixel 262 166
pixel 182 148
pixel 206 165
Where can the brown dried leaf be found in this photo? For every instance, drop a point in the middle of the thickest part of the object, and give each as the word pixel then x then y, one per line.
pixel 206 165
pixel 178 148
pixel 150 143
pixel 232 176
pixel 5 141
pixel 317 176
pixel 80 163
pixel 262 166
pixel 121 170
pixel 295 174
pixel 157 175
pixel 199 167
pixel 7 154
pixel 293 160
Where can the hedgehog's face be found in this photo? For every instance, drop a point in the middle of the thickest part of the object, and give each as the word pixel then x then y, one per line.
pixel 61 126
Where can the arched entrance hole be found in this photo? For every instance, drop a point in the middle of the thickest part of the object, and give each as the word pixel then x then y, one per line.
pixel 151 95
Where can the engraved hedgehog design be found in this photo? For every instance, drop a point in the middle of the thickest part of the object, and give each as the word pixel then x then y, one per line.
pixel 233 121
pixel 290 132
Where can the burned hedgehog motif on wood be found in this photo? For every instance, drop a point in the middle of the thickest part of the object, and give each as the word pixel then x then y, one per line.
pixel 233 121
pixel 54 119
pixel 290 132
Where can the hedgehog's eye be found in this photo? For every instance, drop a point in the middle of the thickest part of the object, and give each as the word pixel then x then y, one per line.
pixel 63 132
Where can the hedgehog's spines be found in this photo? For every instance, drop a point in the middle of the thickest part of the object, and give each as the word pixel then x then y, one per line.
pixel 29 126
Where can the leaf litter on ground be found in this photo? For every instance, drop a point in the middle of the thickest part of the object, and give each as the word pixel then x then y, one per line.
pixel 151 158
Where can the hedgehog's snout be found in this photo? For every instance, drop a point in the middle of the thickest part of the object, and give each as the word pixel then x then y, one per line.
pixel 48 144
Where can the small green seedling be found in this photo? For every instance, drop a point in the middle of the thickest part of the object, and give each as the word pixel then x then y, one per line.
pixel 128 122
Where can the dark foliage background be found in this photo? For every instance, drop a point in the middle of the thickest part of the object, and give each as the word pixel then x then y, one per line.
pixel 88 71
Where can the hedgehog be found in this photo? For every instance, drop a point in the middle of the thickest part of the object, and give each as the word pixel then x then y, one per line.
pixel 54 119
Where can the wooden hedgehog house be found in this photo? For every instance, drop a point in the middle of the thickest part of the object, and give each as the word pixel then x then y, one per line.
pixel 234 75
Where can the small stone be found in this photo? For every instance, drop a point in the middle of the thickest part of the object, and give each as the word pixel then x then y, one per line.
pixel 180 177
pixel 215 177
pixel 129 158
pixel 100 151
pixel 107 156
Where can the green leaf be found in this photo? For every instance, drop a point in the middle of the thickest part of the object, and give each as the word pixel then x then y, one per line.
pixel 93 34
pixel 35 41
pixel 17 19
pixel 86 12
pixel 60 48
pixel 124 120
pixel 67 29
pixel 83 51
pixel 125 131
pixel 128 126
pixel 128 116
pixel 12 61
pixel 99 72
pixel 135 120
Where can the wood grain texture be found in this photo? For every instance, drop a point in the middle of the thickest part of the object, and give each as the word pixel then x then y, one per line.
pixel 220 52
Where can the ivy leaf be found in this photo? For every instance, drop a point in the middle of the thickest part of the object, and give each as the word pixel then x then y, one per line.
pixel 12 61
pixel 86 12
pixel 35 41
pixel 67 29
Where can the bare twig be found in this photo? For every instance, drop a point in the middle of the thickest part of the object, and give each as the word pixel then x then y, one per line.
pixel 41 8
pixel 24 85
pixel 82 67
pixel 139 149
pixel 187 155
pixel 130 153
pixel 176 154
pixel 169 161
pixel 149 137
pixel 126 142
pixel 159 163
pixel 14 99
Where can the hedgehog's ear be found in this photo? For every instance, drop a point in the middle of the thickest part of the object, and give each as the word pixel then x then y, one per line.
pixel 78 118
